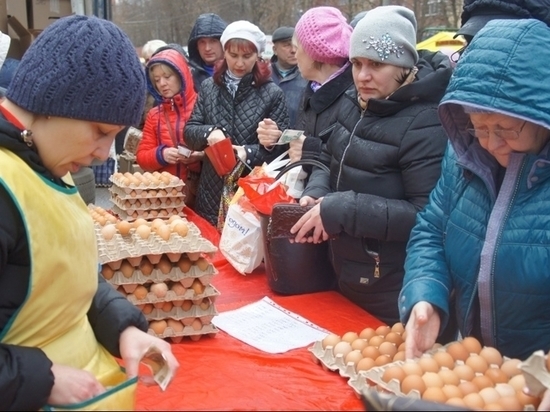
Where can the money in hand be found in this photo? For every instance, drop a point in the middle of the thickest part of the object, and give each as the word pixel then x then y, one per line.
pixel 289 135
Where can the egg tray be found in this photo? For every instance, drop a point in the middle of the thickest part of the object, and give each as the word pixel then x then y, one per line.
pixel 209 292
pixel 178 313
pixel 148 214
pixel 137 205
pixel 133 246
pixel 175 183
pixel 187 331
pixel 123 194
pixel 331 362
pixel 175 275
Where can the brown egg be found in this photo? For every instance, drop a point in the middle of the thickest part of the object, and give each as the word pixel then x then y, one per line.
pixel 394 338
pixel 330 340
pixel 178 289
pixel 342 348
pixel 138 222
pixel 477 363
pixel 198 287
pixel 184 264
pixel 489 395
pixel 394 372
pixel 413 382
pixel 123 227
pixel 432 379
pixel 457 351
pixel 482 381
pixel 359 344
pixel 517 382
pixel 444 360
pixel 505 389
pixel 412 368
pixel 464 372
pixel 108 231
pixel 387 348
pixel 491 355
pixel 496 375
pixel 452 391
pixel 525 400
pixel 471 344
pixel 383 330
pixel 143 231
pixel 175 325
pixel 367 333
pixel 398 328
pixel 181 229
pixel 177 303
pixel 205 304
pixel 449 377
pixel 467 387
pixel 400 356
pixel 146 266
pixel 107 272
pixel 158 326
pixel 493 407
pixel 164 265
pixel 193 256
pixel 353 357
pixel 127 269
pixel 196 324
pixel 382 360
pixel 140 292
pixel 167 306
pixel 402 347
pixel 511 367
pixel 376 341
pixel 203 264
pixel 510 403
pixel 365 364
pixel 147 308
pixel 164 232
pixel 371 352
pixel 187 305
pixel 457 402
pixel 474 401
pixel 428 364
pixel 350 336
pixel 434 394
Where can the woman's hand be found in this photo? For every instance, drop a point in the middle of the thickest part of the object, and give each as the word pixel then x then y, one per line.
pixel 133 345
pixel 215 136
pixel 295 150
pixel 171 155
pixel 422 329
pixel 193 158
pixel 240 152
pixel 311 220
pixel 268 133
pixel 73 385
pixel 309 201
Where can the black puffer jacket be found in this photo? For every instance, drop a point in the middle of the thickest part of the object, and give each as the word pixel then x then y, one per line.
pixel 25 376
pixel 216 107
pixel 319 113
pixel 384 162
pixel 206 25
pixel 525 9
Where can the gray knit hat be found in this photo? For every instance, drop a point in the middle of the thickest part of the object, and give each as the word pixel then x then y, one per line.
pixel 81 68
pixel 386 34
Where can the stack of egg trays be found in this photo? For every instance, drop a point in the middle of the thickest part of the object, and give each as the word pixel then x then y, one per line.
pixel 132 248
pixel 130 202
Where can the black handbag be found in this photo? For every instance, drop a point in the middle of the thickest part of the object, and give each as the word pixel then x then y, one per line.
pixel 294 268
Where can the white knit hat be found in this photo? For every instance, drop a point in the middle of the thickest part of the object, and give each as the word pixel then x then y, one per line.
pixel 243 29
pixel 387 34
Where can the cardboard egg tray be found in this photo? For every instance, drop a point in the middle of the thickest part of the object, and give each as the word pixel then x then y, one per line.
pixel 141 205
pixel 187 331
pixel 186 316
pixel 149 214
pixel 209 292
pixel 138 189
pixel 139 194
pixel 132 245
pixel 175 275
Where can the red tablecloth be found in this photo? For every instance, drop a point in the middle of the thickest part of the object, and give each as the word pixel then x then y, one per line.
pixel 223 373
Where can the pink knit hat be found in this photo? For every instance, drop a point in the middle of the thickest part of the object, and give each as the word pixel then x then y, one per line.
pixel 324 34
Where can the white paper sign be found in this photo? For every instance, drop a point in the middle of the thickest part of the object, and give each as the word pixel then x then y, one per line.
pixel 269 327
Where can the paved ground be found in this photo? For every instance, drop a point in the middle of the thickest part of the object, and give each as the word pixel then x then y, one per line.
pixel 103 197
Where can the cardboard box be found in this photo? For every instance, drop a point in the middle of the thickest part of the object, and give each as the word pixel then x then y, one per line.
pixel 26 36
pixel 46 12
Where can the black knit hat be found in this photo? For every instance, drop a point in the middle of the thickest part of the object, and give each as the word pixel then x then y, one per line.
pixel 81 68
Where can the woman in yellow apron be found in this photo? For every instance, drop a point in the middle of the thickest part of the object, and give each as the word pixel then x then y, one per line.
pixel 61 325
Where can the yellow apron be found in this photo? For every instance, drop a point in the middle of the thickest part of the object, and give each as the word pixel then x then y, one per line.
pixel 63 283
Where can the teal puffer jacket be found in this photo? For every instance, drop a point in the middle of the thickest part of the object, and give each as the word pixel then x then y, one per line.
pixel 490 248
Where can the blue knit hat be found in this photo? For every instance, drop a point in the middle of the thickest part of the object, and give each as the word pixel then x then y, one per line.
pixel 81 68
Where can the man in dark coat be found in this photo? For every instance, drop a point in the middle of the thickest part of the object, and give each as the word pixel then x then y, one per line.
pixel 476 13
pixel 204 47
pixel 284 70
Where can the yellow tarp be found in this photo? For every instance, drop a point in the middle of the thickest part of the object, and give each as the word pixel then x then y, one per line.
pixel 441 40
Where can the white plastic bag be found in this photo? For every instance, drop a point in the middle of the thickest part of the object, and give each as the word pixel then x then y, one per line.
pixel 241 241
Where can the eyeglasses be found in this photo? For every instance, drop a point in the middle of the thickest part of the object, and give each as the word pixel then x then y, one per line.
pixel 504 134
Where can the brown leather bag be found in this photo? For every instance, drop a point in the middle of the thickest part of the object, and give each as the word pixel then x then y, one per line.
pixel 294 268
